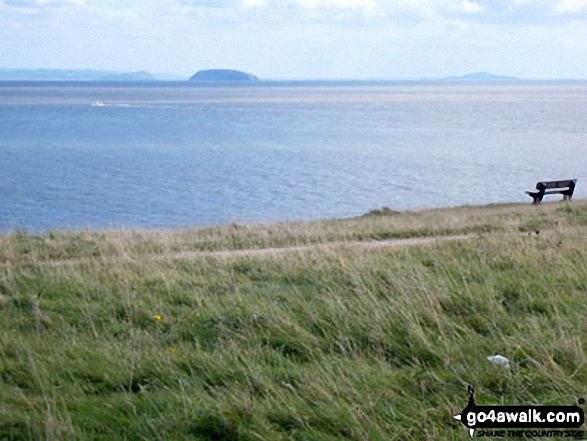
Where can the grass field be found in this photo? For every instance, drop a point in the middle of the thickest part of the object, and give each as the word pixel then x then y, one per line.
pixel 125 335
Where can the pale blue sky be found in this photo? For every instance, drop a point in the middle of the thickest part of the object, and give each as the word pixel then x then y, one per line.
pixel 300 39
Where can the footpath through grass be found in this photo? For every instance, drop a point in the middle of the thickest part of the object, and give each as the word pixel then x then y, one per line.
pixel 346 343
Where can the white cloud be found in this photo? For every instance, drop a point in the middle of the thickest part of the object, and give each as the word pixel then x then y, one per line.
pixel 468 6
pixel 40 3
pixel 254 3
pixel 565 6
pixel 489 11
pixel 338 4
pixel 425 7
pixel 521 2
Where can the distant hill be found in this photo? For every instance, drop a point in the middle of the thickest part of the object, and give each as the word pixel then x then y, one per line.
pixel 77 75
pixel 223 76
pixel 480 77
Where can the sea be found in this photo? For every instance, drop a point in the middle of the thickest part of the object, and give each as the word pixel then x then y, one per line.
pixel 99 156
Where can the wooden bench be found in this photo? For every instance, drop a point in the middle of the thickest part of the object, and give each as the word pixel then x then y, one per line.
pixel 567 188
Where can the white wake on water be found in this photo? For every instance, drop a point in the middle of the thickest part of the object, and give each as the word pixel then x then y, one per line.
pixel 99 103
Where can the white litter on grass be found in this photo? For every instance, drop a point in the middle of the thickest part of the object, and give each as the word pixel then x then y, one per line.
pixel 500 360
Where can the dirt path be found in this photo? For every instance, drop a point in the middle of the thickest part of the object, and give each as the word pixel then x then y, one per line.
pixel 225 254
pixel 391 243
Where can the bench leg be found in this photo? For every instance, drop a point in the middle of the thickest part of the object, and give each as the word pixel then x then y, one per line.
pixel 536 196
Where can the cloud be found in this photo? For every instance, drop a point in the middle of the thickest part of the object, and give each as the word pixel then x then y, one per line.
pixel 212 4
pixel 254 3
pixel 338 4
pixel 487 11
pixel 565 6
pixel 468 6
pixel 41 3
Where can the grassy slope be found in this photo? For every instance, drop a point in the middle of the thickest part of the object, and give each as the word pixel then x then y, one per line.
pixel 332 343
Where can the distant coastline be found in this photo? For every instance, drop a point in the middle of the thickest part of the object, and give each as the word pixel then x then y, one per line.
pixel 211 76
pixel 480 77
pixel 82 75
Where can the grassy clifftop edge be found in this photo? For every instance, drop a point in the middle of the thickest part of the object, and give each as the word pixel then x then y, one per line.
pixel 375 225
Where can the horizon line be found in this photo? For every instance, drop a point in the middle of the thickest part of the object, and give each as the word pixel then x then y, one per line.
pixel 169 77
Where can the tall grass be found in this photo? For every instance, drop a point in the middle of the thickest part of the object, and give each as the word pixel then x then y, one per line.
pixel 331 343
pixel 377 225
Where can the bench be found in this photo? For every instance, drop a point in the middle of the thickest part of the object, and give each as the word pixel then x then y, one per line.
pixel 566 189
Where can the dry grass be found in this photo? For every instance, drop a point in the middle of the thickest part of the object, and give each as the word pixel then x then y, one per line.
pixel 58 245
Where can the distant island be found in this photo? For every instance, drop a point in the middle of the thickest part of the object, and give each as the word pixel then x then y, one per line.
pixel 481 77
pixel 223 76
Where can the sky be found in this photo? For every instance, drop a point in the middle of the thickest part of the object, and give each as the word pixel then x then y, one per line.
pixel 300 39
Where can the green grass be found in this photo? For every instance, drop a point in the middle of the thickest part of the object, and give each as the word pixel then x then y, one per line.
pixel 329 343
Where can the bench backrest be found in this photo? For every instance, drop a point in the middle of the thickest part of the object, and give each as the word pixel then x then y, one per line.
pixel 556 184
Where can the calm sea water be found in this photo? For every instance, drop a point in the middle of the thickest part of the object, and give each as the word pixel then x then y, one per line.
pixel 174 155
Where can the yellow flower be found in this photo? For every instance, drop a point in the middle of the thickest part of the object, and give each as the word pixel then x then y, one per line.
pixel 172 349
pixel 157 318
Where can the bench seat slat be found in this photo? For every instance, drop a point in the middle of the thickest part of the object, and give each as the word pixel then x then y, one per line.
pixel 556 192
pixel 556 184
